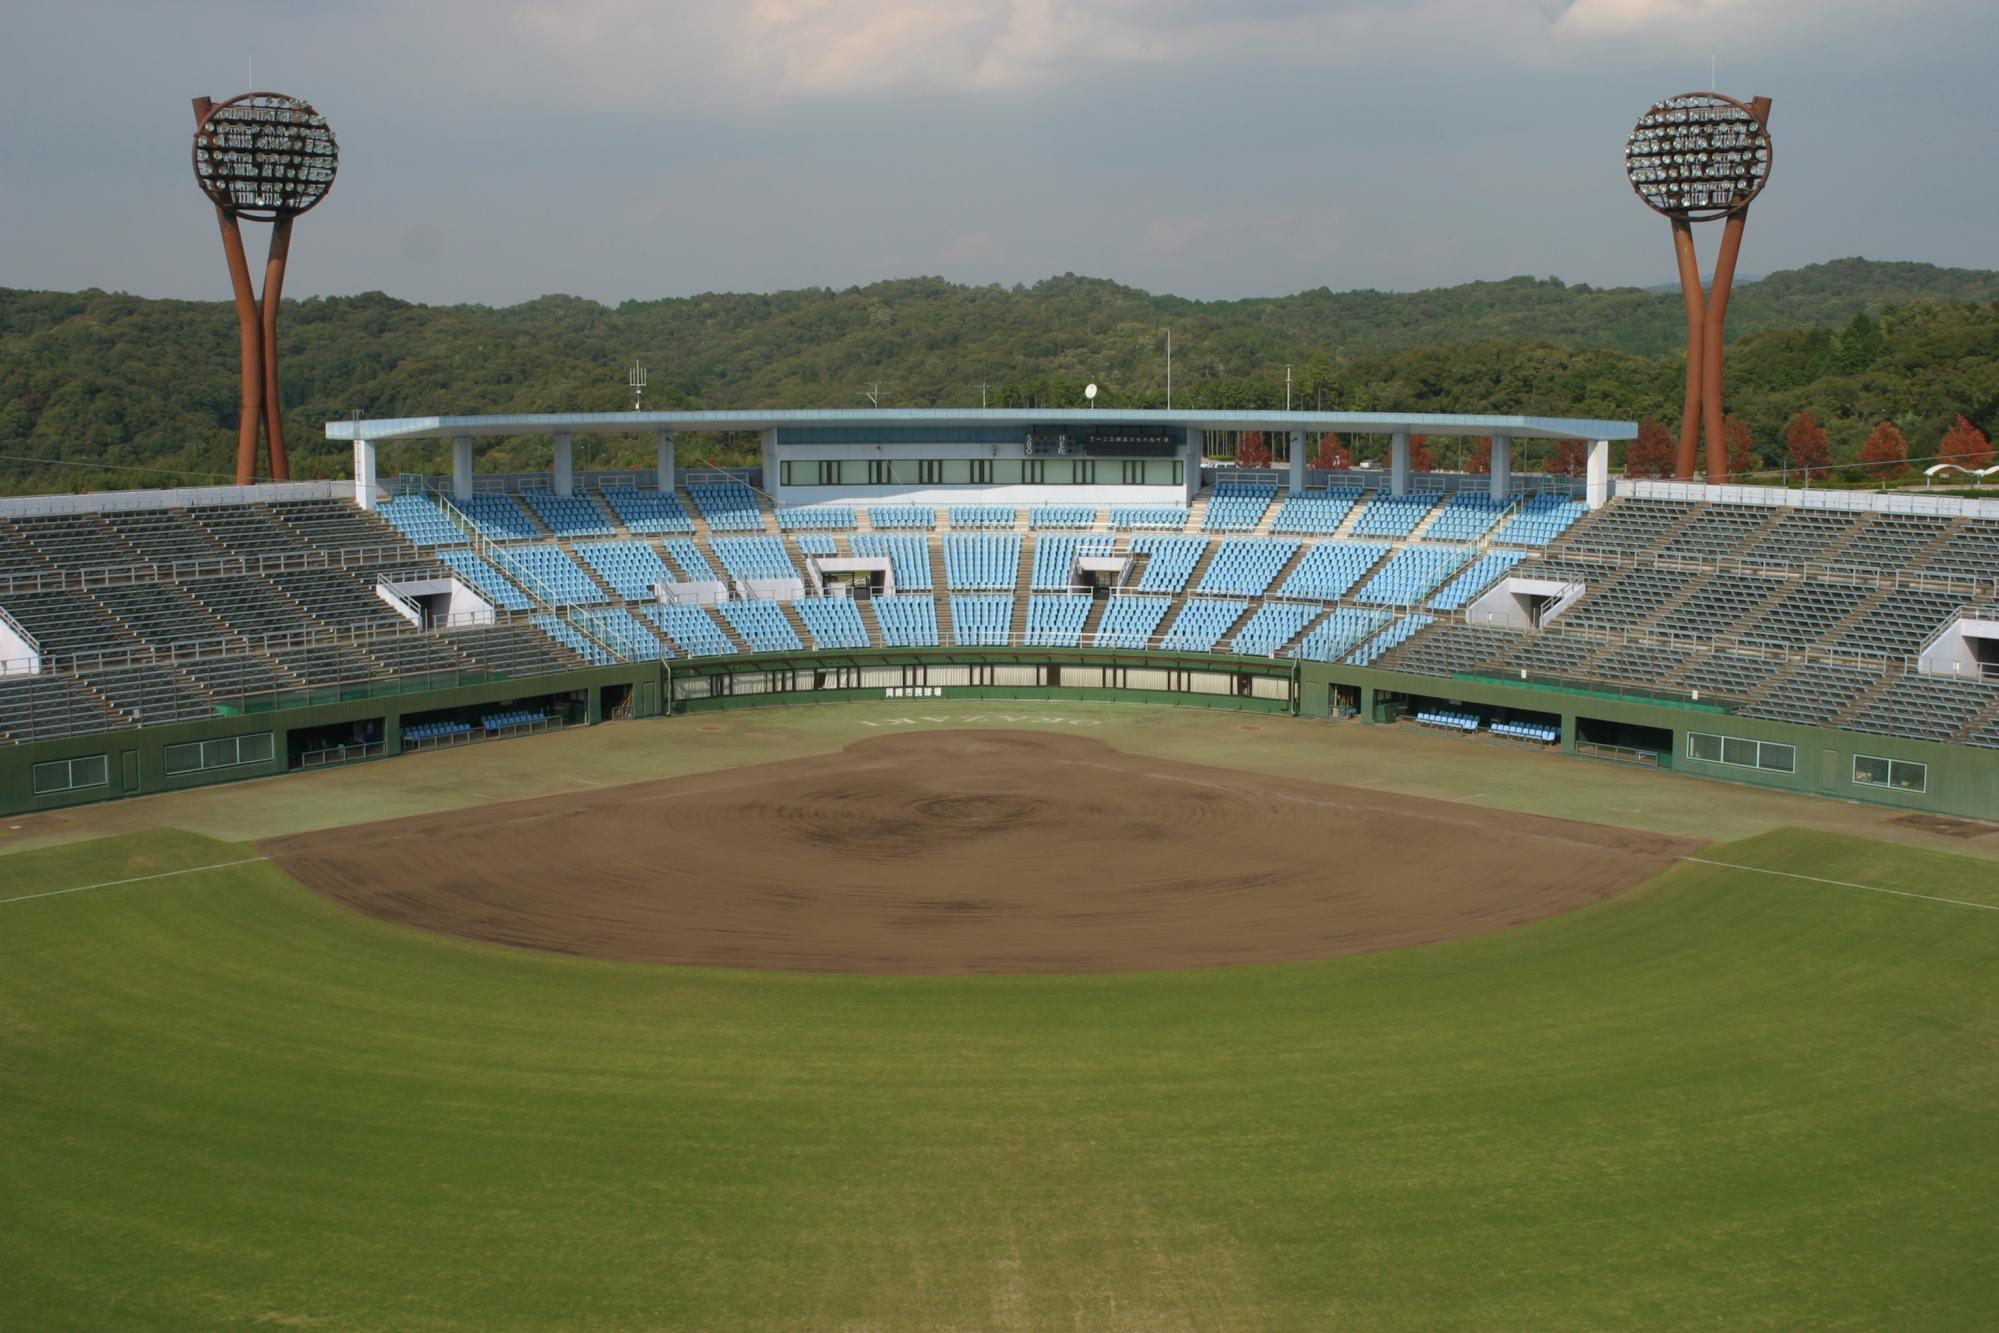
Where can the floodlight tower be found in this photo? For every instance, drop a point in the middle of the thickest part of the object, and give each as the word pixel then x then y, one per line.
pixel 269 158
pixel 1695 158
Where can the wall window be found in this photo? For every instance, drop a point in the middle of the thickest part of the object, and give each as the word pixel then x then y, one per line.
pixel 196 756
pixel 1895 774
pixel 71 774
pixel 1741 753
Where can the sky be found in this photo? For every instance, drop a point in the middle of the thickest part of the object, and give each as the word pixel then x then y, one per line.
pixel 493 151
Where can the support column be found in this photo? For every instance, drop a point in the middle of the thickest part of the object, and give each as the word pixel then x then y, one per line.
pixel 666 462
pixel 767 468
pixel 461 467
pixel 565 465
pixel 1502 467
pixel 1197 447
pixel 1297 461
pixel 1597 493
pixel 1398 464
pixel 364 473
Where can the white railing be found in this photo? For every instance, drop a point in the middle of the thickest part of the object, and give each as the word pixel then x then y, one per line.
pixel 184 497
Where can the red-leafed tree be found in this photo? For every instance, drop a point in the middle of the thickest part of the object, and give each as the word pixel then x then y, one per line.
pixel 1332 455
pixel 1419 454
pixel 1569 458
pixel 1808 446
pixel 1965 445
pixel 1480 461
pixel 1653 453
pixel 1252 450
pixel 1886 453
pixel 1742 456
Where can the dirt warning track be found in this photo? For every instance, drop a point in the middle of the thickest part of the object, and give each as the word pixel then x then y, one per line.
pixel 954 852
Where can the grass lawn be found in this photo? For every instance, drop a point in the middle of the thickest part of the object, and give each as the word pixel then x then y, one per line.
pixel 1729 1098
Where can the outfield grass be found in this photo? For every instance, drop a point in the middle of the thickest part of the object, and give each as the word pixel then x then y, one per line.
pixel 1730 1098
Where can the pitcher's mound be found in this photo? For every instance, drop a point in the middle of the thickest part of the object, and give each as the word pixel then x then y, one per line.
pixel 972 852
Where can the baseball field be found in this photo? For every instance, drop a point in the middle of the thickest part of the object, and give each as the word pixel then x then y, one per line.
pixel 858 1017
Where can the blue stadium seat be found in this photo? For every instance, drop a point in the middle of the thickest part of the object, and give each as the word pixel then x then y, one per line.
pixel 833 622
pixel 1057 621
pixel 979 562
pixel 761 625
pixel 648 511
pixel 1130 622
pixel 1201 624
pixel 1246 566
pixel 1331 569
pixel 727 506
pixel 981 620
pixel 907 620
pixel 1237 506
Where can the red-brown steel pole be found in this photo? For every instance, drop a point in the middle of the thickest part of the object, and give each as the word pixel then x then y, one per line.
pixel 1690 291
pixel 1717 311
pixel 274 407
pixel 250 412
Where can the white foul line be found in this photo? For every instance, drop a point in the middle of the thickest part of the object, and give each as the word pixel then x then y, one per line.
pixel 1846 884
pixel 136 879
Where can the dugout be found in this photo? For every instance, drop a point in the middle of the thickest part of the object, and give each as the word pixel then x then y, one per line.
pixel 335 742
pixel 1631 742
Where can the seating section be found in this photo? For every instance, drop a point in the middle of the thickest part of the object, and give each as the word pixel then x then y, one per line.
pixel 885 517
pixel 817 543
pixel 1924 708
pixel 1246 566
pixel 1452 648
pixel 550 574
pixel 761 625
pixel 1540 732
pixel 1451 721
pixel 1329 570
pixel 1412 574
pixel 519 719
pixel 754 557
pixel 566 635
pixel 421 521
pixel 693 630
pixel 907 620
pixel 1332 637
pixel 1056 622
pixel 979 562
pixel 424 733
pixel 833 622
pixel 1466 517
pixel 1481 574
pixel 1541 520
pixel 1394 515
pixel 1130 622
pixel 981 620
pixel 648 512
pixel 1061 516
pixel 1386 640
pixel 1237 506
pixel 1813 694
pixel 817 518
pixel 694 566
pixel 1316 513
pixel 569 515
pixel 1270 627
pixel 632 569
pixel 1055 559
pixel 1201 624
pixel 727 506
pixel 498 518
pixel 1169 562
pixel 1629 527
pixel 981 516
pixel 1166 518
pixel 487 581
pixel 623 633
pixel 908 557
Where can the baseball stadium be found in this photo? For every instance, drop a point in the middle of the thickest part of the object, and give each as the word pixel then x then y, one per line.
pixel 997 869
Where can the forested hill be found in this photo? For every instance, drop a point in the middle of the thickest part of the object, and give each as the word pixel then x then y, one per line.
pixel 107 379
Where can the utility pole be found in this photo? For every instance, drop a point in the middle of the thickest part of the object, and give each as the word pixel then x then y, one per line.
pixel 873 393
pixel 982 395
pixel 1169 369
pixel 1287 388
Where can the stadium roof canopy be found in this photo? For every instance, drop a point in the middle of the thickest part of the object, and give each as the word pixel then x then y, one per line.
pixel 628 423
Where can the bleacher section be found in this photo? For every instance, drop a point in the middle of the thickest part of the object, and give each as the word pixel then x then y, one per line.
pixel 1237 506
pixel 754 557
pixel 630 568
pixel 1056 622
pixel 981 516
pixel 983 620
pixel 1316 513
pixel 421 521
pixel 906 620
pixel 553 577
pixel 693 631
pixel 817 543
pixel 761 625
pixel 1538 522
pixel 1055 559
pixel 569 515
pixel 1270 627
pixel 980 562
pixel 1130 622
pixel 694 566
pixel 821 518
pixel 727 506
pixel 648 512
pixel 1412 574
pixel 1329 570
pixel 1386 639
pixel 1332 637
pixel 1466 517
pixel 1061 516
pixel 1245 566
pixel 1394 515
pixel 1481 574
pixel 885 517
pixel 487 581
pixel 833 622
pixel 1170 561
pixel 1160 517
pixel 498 518
pixel 908 557
pixel 1201 624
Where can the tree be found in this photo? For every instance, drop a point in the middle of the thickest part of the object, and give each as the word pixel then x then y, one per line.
pixel 1653 453
pixel 1419 454
pixel 1569 458
pixel 1886 453
pixel 1742 456
pixel 1332 455
pixel 1808 447
pixel 1965 445
pixel 1252 450
pixel 1480 462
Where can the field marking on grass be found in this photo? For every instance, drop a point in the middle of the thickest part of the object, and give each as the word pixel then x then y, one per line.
pixel 1845 884
pixel 136 879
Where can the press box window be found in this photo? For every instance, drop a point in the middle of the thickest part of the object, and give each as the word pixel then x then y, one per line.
pixel 1895 774
pixel 71 774
pixel 1740 753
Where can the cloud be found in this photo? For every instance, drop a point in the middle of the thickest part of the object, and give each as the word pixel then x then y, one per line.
pixel 972 247
pixel 1168 236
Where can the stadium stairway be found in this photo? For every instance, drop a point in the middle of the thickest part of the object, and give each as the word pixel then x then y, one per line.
pixel 1093 620
pixel 1016 627
pixel 1297 558
pixel 1262 528
pixel 940 584
pixel 793 619
pixel 942 597
pixel 1200 570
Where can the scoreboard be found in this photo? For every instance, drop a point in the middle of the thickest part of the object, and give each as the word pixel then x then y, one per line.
pixel 1103 441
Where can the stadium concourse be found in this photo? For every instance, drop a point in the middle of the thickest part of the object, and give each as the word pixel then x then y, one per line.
pixel 1843 644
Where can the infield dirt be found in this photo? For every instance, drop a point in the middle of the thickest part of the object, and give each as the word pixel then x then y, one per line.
pixel 961 852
